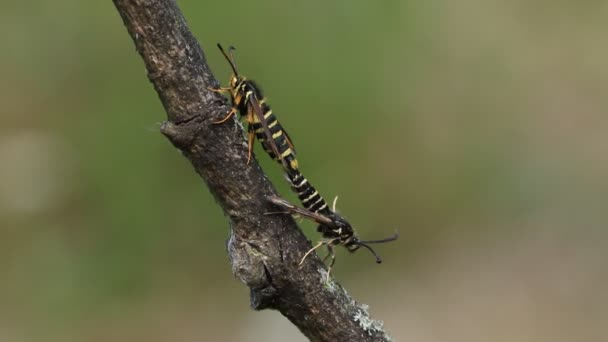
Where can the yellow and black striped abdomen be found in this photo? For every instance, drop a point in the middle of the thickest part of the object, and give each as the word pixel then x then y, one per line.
pixel 248 99
pixel 308 195
pixel 279 136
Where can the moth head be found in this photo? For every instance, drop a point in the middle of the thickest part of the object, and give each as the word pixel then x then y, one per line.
pixel 234 81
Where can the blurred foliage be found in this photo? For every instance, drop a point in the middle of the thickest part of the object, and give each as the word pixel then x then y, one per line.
pixel 475 128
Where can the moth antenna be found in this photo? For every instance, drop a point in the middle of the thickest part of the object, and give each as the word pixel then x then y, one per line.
pixel 378 259
pixel 229 57
pixel 388 239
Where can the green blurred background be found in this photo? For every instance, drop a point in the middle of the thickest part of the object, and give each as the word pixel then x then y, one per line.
pixel 477 128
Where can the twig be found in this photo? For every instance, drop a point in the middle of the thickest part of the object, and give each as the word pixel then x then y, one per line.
pixel 264 249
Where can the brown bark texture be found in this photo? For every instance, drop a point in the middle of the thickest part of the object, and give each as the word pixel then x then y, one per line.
pixel 264 250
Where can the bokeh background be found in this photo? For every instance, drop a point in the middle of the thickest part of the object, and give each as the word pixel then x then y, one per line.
pixel 475 128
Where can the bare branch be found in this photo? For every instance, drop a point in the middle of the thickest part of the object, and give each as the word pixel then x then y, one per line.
pixel 264 249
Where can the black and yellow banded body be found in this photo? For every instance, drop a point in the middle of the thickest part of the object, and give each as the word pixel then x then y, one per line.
pixel 308 195
pixel 249 102
pixel 266 127
pixel 332 226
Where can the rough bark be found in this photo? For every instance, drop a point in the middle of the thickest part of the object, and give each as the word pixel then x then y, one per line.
pixel 264 249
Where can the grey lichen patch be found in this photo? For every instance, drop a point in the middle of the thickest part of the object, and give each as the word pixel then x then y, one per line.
pixel 367 323
pixel 329 283
pixel 361 316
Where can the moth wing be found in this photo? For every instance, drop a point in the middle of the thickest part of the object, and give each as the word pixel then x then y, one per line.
pixel 301 211
pixel 257 110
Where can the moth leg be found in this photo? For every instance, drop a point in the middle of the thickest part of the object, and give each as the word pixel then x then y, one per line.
pixel 332 254
pixel 277 213
pixel 321 243
pixel 219 90
pixel 232 111
pixel 250 138
pixel 327 255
